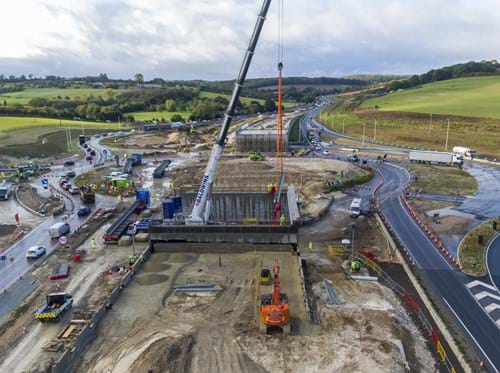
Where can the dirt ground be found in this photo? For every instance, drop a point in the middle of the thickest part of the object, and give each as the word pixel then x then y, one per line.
pixel 242 174
pixel 152 328
pixel 22 338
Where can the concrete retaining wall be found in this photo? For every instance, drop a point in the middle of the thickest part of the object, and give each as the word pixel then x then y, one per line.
pixel 235 206
pixel 218 248
pixel 69 359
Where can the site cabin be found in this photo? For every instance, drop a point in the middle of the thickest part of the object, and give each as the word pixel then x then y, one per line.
pixel 355 209
pixel 440 158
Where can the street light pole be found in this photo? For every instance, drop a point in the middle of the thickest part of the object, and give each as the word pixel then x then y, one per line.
pixel 364 131
pixel 343 125
pixel 447 134
pixel 375 131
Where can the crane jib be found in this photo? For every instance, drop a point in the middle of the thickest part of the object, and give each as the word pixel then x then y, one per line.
pixel 203 188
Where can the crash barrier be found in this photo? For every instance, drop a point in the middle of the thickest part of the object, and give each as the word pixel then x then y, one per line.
pixel 410 303
pixel 68 360
pixel 26 207
pixel 433 237
pixel 89 219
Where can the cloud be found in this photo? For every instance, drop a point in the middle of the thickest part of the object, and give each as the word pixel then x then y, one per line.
pixel 187 39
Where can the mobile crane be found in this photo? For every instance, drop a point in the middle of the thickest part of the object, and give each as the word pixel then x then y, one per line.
pixel 201 210
pixel 274 311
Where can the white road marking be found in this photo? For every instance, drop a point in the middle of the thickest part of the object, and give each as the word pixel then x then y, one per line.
pixel 485 294
pixel 475 283
pixel 491 307
pixel 470 334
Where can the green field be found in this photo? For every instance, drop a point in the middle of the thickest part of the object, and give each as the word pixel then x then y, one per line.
pixel 167 115
pixel 244 100
pixel 44 137
pixel 474 97
pixel 12 123
pixel 23 97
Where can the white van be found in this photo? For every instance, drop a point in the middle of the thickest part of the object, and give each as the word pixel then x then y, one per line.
pixel 355 209
pixel 59 229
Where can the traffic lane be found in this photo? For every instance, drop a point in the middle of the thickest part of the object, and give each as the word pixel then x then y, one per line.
pixel 486 202
pixel 448 284
pixel 445 283
pixel 423 251
pixel 449 290
pixel 493 261
pixel 10 272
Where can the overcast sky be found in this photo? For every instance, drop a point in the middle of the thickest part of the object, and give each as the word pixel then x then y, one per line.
pixel 189 39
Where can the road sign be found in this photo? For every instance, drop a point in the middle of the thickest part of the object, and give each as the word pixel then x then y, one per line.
pixel 63 240
pixel 45 181
pixel 104 152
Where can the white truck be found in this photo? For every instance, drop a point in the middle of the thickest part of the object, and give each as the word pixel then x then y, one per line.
pixel 466 152
pixel 355 209
pixel 6 190
pixel 59 229
pixel 443 158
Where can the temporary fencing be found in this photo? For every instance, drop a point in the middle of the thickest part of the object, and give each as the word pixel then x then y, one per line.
pixel 408 299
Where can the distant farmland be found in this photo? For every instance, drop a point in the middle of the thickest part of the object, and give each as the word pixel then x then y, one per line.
pixel 470 97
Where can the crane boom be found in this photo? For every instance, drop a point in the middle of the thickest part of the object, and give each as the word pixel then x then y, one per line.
pixel 197 215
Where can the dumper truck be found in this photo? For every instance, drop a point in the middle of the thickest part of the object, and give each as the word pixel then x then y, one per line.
pixel 442 158
pixel 56 305
pixel 87 194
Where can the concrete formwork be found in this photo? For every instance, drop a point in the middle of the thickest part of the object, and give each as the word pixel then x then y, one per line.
pixel 236 207
pixel 259 141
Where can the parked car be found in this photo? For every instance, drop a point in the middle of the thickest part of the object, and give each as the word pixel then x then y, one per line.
pixel 92 153
pixel 84 211
pixel 71 174
pixel 67 186
pixel 35 252
pixel 74 190
pixel 88 158
pixel 69 163
pixel 85 146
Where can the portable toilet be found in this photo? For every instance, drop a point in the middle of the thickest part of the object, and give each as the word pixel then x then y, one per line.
pixel 143 195
pixel 168 209
pixel 177 204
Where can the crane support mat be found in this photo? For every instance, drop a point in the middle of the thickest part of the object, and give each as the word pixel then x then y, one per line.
pixel 61 270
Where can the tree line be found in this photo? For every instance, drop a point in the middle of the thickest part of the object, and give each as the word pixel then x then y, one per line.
pixel 460 70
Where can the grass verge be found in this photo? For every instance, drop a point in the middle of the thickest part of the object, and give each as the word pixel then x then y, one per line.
pixel 442 180
pixel 471 250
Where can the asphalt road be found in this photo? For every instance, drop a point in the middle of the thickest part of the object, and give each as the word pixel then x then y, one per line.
pixel 483 204
pixel 447 284
pixel 10 272
pixel 493 261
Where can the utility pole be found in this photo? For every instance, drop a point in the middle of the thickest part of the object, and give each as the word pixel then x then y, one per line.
pixel 364 131
pixel 332 122
pixel 447 134
pixel 343 125
pixel 119 124
pixel 375 131
pixel 430 124
pixel 352 241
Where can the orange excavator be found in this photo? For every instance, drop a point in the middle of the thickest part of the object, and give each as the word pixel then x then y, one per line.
pixel 274 311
